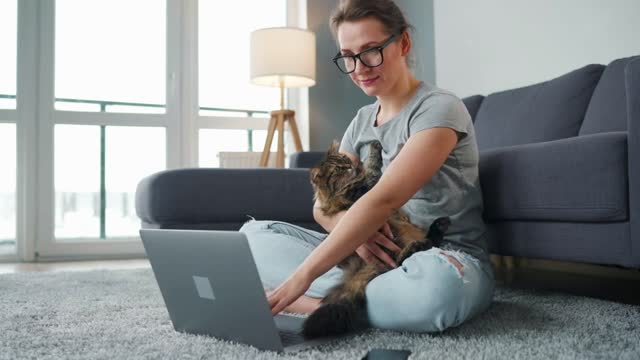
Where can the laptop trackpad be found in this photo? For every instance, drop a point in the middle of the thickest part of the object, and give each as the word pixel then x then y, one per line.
pixel 287 323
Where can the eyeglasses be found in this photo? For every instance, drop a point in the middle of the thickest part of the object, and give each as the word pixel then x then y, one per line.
pixel 371 57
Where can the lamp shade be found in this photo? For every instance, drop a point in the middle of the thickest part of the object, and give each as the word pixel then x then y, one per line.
pixel 283 54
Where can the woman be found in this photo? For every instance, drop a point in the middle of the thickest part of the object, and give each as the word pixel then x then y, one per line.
pixel 430 170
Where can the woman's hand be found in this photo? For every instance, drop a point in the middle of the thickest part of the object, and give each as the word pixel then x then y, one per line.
pixel 288 292
pixel 372 253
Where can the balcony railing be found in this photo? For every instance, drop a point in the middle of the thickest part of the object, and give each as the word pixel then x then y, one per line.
pixel 103 106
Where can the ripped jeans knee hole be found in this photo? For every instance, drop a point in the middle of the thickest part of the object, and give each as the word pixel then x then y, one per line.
pixel 454 262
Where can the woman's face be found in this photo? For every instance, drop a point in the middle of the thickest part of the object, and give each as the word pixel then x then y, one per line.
pixel 357 36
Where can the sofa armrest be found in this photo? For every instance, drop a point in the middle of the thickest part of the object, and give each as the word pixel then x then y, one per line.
pixel 632 88
pixel 212 195
pixel 306 159
pixel 577 179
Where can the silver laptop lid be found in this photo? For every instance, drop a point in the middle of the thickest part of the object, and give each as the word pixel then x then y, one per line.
pixel 210 285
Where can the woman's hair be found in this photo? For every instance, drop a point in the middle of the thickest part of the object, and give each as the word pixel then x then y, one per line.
pixel 385 11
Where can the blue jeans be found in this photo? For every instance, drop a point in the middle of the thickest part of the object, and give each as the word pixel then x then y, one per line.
pixel 426 293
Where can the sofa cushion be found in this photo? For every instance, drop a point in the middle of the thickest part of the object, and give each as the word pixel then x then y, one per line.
pixel 607 110
pixel 545 111
pixel 473 104
pixel 306 159
pixel 582 179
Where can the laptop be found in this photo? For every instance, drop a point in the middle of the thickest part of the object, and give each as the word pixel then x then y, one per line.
pixel 210 285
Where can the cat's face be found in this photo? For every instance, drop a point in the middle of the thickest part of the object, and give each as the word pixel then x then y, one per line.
pixel 332 174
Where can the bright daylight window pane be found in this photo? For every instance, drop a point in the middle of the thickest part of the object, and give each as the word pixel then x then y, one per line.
pixel 77 181
pixel 8 38
pixel 223 45
pixel 110 51
pixel 260 137
pixel 132 154
pixel 8 189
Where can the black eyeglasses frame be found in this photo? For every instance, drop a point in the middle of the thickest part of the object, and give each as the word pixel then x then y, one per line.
pixel 379 48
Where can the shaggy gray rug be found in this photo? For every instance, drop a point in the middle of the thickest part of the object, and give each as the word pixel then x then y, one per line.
pixel 120 314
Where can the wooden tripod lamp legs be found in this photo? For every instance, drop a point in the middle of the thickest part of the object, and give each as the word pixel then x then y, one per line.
pixel 278 118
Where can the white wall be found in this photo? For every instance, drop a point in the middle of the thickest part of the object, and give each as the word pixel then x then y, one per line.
pixel 493 45
pixel 419 13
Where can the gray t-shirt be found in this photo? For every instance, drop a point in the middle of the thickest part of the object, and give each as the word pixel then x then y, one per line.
pixel 454 190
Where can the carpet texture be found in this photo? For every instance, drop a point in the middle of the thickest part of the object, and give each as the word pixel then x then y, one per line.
pixel 120 314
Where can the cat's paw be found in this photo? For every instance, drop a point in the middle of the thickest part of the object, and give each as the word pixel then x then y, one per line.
pixel 376 145
pixel 439 226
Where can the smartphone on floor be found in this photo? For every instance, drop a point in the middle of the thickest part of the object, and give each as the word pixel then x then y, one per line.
pixel 387 354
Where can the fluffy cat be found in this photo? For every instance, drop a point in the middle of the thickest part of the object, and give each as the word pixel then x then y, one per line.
pixel 338 183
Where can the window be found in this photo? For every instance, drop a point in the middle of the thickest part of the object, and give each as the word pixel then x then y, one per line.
pixel 126 164
pixel 110 55
pixel 223 54
pixel 108 97
pixel 8 189
pixel 8 60
pixel 77 181
pixel 96 173
pixel 8 38
pixel 106 69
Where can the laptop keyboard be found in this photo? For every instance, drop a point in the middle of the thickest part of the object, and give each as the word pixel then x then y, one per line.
pixel 289 338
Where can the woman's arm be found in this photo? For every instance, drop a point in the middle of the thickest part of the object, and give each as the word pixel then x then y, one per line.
pixel 371 251
pixel 405 175
pixel 420 158
pixel 327 222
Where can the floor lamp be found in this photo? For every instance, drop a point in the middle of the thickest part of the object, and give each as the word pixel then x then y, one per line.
pixel 283 57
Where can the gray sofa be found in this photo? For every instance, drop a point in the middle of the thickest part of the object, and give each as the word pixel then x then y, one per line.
pixel 559 170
